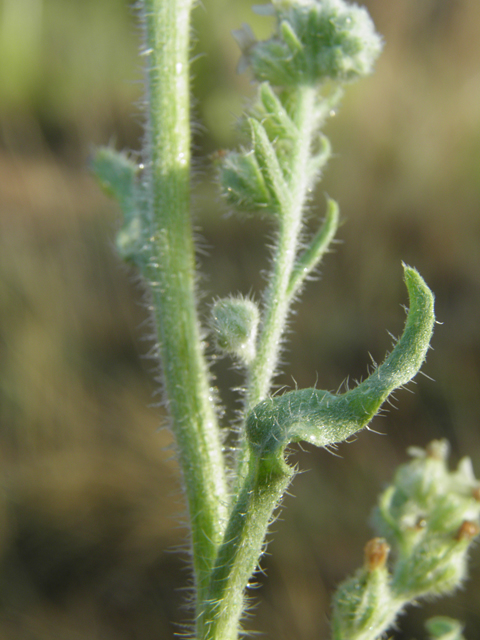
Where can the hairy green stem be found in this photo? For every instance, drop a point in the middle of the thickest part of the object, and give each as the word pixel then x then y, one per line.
pixel 264 486
pixel 171 271
pixel 260 487
pixel 277 298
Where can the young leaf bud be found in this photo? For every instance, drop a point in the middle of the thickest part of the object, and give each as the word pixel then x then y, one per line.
pixel 235 323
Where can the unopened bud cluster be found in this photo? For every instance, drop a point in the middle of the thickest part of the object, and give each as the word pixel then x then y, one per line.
pixel 315 41
pixel 429 518
pixel 430 515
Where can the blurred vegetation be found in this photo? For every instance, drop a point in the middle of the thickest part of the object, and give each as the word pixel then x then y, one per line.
pixel 90 501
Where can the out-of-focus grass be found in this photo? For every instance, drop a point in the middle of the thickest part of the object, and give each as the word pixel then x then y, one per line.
pixel 90 505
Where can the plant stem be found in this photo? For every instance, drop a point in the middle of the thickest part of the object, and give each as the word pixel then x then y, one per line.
pixel 171 271
pixel 264 486
pixel 277 298
pixel 260 488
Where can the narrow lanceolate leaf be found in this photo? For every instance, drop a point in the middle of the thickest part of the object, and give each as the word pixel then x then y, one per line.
pixel 290 37
pixel 315 251
pixel 323 418
pixel 243 185
pixel 271 169
pixel 276 114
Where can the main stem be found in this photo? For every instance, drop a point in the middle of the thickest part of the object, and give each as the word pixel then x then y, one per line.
pixel 172 272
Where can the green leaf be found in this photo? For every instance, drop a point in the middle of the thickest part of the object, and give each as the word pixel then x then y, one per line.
pixel 275 114
pixel 316 249
pixel 119 178
pixel 319 159
pixel 270 166
pixel 243 184
pixel 290 37
pixel 443 628
pixel 323 418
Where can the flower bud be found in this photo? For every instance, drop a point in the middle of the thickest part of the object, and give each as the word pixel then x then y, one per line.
pixel 316 41
pixel 235 323
pixel 375 554
pixel 467 531
pixel 363 604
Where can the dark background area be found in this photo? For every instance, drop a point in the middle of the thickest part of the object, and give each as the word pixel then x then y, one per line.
pixel 91 511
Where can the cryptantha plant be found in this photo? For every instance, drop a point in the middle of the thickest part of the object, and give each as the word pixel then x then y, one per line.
pixel 317 48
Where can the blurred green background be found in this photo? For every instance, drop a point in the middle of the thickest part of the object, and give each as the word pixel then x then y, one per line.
pixel 91 511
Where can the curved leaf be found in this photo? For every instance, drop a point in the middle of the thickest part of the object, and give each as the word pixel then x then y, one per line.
pixel 323 418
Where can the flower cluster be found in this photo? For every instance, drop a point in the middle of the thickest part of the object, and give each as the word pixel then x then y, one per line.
pixel 429 518
pixel 315 41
